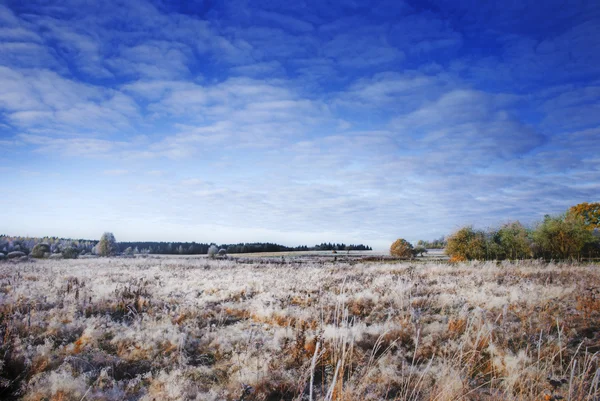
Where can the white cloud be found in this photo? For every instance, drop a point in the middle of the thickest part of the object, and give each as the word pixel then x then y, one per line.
pixel 73 147
pixel 469 125
pixel 155 59
pixel 271 69
pixel 41 97
pixel 398 92
pixel 18 34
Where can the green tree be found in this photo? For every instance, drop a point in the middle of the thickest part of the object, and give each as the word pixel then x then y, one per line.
pixel 401 248
pixel 466 244
pixel 435 244
pixel 562 237
pixel 107 245
pixel 514 241
pixel 419 250
pixel 493 246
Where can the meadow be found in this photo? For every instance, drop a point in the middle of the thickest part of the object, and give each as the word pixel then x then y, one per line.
pixel 298 328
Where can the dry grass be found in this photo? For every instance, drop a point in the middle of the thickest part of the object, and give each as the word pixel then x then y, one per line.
pixel 175 329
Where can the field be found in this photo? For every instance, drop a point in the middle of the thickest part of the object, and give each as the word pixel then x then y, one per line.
pixel 298 328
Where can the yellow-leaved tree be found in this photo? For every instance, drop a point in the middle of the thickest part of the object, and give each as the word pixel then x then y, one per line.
pixel 401 248
pixel 589 212
pixel 466 244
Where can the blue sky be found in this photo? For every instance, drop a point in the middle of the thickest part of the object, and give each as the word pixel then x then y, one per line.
pixel 295 122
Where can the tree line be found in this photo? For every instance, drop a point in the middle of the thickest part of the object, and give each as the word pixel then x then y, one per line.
pixel 57 245
pixel 439 243
pixel 574 234
pixel 10 243
pixel 193 248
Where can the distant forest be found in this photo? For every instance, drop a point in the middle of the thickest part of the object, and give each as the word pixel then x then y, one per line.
pixel 26 244
pixel 435 244
pixel 193 248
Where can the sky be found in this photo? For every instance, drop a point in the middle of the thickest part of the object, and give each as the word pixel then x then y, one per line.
pixel 295 122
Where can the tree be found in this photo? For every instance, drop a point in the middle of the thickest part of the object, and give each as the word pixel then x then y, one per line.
pixel 401 248
pixel 514 241
pixel 435 244
pixel 466 244
pixel 420 250
pixel 212 251
pixel 493 246
pixel 107 245
pixel 589 212
pixel 562 237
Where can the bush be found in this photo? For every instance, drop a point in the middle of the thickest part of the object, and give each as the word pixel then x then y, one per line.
pixel 467 244
pixel 70 252
pixel 107 245
pixel 39 250
pixel 15 254
pixel 401 248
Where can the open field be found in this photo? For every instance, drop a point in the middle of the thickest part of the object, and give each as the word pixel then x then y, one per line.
pixel 263 329
pixel 352 256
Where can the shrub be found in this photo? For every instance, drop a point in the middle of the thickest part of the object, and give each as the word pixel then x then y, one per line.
pixel 70 252
pixel 401 248
pixel 466 244
pixel 107 245
pixel 39 250
pixel 15 254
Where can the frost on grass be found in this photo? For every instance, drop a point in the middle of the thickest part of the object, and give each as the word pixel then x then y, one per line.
pixel 200 329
